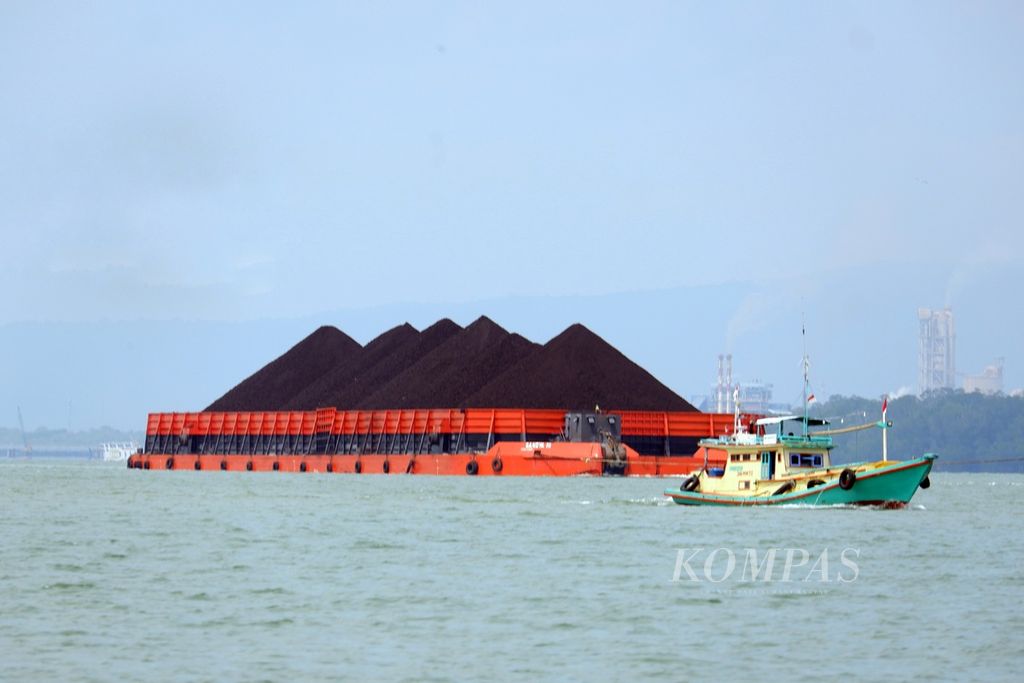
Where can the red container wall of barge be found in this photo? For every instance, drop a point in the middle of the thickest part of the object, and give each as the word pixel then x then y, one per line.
pixel 475 420
pixel 502 420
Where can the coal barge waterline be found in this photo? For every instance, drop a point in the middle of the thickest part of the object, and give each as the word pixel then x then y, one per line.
pixel 503 387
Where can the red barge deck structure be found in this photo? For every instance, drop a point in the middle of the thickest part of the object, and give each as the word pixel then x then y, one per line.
pixel 471 441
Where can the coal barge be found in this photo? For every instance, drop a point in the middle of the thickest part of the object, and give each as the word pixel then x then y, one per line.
pixel 501 384
pixel 516 442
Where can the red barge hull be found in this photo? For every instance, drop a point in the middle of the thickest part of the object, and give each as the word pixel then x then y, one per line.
pixel 451 442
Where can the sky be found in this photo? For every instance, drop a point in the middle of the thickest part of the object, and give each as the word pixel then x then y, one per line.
pixel 685 178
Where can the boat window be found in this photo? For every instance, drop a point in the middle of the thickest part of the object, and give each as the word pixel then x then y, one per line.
pixel 805 460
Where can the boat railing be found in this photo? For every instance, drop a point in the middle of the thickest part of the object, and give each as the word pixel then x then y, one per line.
pixel 808 441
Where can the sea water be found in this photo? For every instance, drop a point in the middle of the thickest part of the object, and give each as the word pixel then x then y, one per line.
pixel 115 574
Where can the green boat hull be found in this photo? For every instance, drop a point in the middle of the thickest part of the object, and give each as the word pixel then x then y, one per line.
pixel 890 485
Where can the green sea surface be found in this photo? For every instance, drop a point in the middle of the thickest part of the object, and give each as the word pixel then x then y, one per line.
pixel 113 574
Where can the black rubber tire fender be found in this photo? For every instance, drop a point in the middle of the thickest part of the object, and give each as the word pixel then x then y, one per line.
pixel 359 466
pixel 497 465
pixel 386 467
pixel 690 483
pixel 925 483
pixel 248 466
pixel 472 467
pixel 847 478
pixel 302 467
pixel 169 464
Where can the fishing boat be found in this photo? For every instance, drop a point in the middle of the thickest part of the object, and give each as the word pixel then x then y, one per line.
pixel 787 468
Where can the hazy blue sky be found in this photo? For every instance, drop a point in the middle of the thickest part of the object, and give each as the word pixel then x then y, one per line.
pixel 708 170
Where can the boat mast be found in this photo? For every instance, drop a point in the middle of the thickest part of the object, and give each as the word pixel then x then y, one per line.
pixel 737 423
pixel 885 429
pixel 24 436
pixel 807 364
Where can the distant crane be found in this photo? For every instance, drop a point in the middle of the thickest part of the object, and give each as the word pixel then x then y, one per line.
pixel 24 437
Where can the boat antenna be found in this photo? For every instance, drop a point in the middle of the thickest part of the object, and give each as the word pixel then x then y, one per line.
pixel 807 365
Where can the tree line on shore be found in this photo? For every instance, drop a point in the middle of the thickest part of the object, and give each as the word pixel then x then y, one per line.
pixel 970 432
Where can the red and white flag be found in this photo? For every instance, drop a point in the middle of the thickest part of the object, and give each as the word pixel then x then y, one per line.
pixel 811 399
pixel 885 404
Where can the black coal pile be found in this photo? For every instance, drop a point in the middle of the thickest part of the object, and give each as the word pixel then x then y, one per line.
pixel 445 366
pixel 383 358
pixel 343 373
pixel 274 385
pixel 454 370
pixel 577 370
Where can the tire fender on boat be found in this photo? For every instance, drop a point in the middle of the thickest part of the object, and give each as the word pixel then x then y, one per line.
pixel 925 483
pixel 386 466
pixel 847 478
pixel 690 483
pixel 198 465
pixel 277 466
pixel 248 466
pixel 223 464
pixel 169 464
pixel 409 465
pixel 302 467
pixel 472 467
pixel 496 464
pixel 358 466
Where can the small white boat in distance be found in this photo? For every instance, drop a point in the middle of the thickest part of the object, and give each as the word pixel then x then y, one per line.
pixel 118 452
